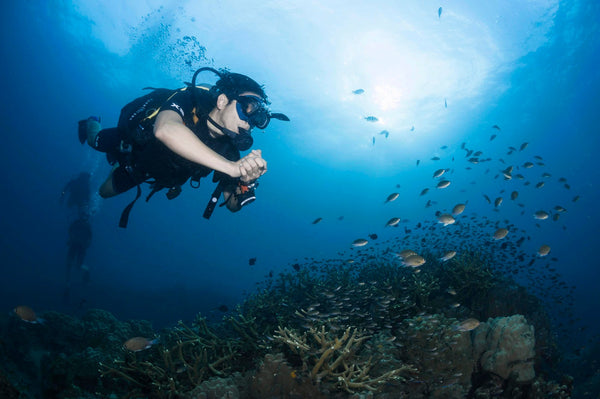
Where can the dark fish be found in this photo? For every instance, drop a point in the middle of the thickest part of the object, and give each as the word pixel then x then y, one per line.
pixel 439 12
pixel 425 190
pixel 252 261
pixel 487 199
pixel 371 118
pixel 412 129
pixel 373 236
pixel 317 220
pixel 418 162
pixel 496 127
pixel 373 140
pixel 445 103
pixel 358 91
pixel 492 137
pixel 296 266
pixel 435 158
pixel 385 133
pixel 523 146
pixel 392 197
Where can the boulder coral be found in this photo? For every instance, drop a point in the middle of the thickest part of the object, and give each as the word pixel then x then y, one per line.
pixel 505 346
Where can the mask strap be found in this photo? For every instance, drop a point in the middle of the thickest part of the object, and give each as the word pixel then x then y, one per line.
pixel 230 133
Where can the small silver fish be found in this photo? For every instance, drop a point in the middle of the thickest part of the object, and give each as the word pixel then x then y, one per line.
pixel 359 242
pixel 448 255
pixel 392 197
pixel 392 222
pixel 443 184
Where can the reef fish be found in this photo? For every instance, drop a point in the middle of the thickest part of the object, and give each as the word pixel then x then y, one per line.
pixel 413 261
pixel 392 222
pixel 438 173
pixel 406 253
pixel 500 233
pixel 448 255
pixel 541 215
pixel 467 325
pixel 392 197
pixel 137 344
pixel 359 242
pixel 446 219
pixel 544 250
pixel 458 209
pixel 443 184
pixel 27 314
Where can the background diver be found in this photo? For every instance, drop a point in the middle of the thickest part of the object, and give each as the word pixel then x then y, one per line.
pixel 80 238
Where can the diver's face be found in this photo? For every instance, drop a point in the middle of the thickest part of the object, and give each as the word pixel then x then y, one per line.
pixel 230 116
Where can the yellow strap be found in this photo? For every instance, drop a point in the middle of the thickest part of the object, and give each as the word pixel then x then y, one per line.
pixel 157 110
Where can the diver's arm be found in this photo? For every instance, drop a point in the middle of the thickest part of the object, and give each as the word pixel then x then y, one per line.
pixel 170 130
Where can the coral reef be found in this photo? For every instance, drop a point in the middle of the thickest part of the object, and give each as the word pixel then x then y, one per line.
pixel 328 357
pixel 504 346
pixel 332 329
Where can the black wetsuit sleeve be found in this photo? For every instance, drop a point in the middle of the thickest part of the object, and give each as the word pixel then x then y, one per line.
pixel 182 103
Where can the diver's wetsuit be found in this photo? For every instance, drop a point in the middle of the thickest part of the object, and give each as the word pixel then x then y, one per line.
pixel 151 159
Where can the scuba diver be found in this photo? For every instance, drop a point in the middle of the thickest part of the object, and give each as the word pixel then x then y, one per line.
pixel 80 238
pixel 77 192
pixel 169 136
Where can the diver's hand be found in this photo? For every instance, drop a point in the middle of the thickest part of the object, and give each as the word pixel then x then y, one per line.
pixel 252 166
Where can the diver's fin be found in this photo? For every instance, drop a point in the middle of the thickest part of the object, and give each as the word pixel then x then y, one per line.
pixel 82 132
pixel 280 116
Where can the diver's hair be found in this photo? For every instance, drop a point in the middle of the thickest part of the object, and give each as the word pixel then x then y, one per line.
pixel 233 84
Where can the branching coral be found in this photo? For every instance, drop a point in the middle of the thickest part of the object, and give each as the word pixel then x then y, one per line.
pixel 195 355
pixel 335 358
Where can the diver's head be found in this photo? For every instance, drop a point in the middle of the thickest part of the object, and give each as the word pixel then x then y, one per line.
pixel 250 99
pixel 239 93
pixel 235 84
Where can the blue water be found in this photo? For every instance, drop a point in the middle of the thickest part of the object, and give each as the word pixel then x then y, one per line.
pixel 530 69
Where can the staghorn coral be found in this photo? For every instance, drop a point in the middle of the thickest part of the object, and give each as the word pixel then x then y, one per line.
pixel 196 354
pixel 335 359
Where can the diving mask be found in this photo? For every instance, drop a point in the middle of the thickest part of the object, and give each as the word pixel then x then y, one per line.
pixel 253 109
